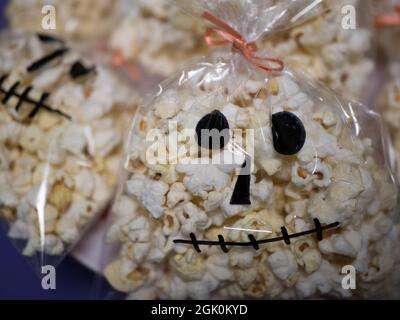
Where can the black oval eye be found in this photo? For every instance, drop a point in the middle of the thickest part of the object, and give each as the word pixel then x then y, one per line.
pixel 212 131
pixel 78 70
pixel 288 133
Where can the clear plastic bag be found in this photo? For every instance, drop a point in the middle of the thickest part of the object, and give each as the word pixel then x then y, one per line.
pixel 244 182
pixel 61 128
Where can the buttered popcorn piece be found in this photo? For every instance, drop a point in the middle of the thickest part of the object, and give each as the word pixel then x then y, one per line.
pixel 57 159
pixel 333 179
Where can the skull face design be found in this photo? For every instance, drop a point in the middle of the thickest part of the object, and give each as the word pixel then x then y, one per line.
pixel 60 133
pixel 296 190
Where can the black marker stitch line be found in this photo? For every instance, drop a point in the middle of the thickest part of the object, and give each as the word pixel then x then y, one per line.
pixel 23 97
pixel 45 38
pixel 38 105
pixel 194 242
pixel 46 59
pixel 222 243
pixel 253 242
pixel 285 235
pixel 10 92
pixel 319 229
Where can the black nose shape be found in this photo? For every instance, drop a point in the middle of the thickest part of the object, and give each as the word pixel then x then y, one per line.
pixel 288 133
pixel 212 131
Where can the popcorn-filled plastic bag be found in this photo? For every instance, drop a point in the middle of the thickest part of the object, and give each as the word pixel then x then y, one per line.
pixel 387 21
pixel 68 18
pixel 61 130
pixel 244 179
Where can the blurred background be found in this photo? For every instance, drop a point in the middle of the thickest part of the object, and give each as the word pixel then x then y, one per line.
pixel 17 279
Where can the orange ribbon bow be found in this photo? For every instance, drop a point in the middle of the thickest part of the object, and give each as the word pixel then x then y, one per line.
pixel 388 20
pixel 230 35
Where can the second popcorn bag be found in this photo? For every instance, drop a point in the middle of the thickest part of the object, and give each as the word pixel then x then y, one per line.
pixel 244 179
pixel 388 31
pixel 61 128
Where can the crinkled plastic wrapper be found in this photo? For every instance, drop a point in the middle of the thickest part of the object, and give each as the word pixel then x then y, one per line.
pixel 61 131
pixel 241 183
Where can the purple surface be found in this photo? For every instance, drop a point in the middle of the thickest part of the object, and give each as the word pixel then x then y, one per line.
pixel 3 4
pixel 17 279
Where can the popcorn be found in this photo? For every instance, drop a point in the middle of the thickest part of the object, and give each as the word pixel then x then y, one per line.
pixel 31 139
pixel 151 193
pixel 52 180
pixel 60 196
pixel 322 281
pixel 262 190
pixel 74 139
pixel 192 218
pixel 126 283
pixel 137 230
pixel 177 194
pixel 283 264
pixel 188 270
pixel 199 180
pixel 348 244
pixel 67 229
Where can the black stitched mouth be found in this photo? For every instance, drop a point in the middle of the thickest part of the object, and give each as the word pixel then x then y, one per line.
pixel 256 243
pixel 24 97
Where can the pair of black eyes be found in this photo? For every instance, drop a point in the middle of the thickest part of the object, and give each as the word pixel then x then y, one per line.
pixel 288 133
pixel 288 136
